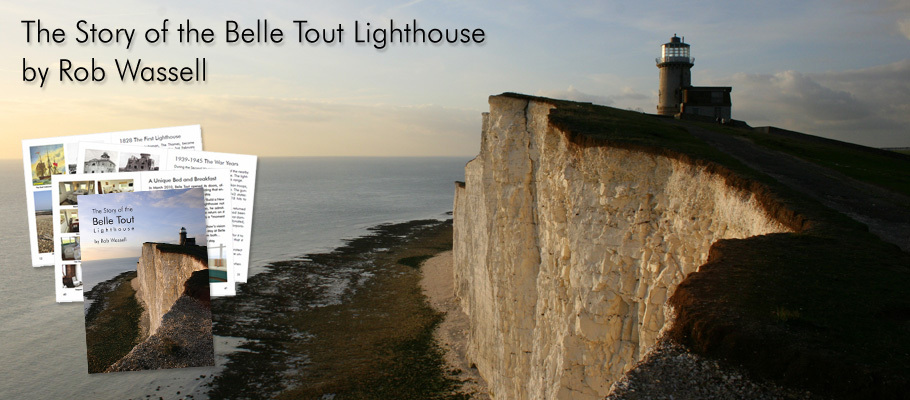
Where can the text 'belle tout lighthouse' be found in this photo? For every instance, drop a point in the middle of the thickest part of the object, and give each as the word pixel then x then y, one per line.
pixel 677 96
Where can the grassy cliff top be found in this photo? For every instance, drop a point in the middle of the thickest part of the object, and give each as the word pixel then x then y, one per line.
pixel 826 308
pixel 199 253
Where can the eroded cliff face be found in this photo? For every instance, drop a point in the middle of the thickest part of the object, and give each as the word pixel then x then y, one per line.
pixel 161 276
pixel 183 339
pixel 565 255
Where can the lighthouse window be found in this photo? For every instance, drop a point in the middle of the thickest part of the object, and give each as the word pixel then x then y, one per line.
pixel 675 52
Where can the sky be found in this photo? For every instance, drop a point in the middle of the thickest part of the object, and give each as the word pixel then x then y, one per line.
pixel 157 216
pixel 837 69
pixel 43 200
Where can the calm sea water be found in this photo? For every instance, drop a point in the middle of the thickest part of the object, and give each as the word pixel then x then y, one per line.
pixel 97 271
pixel 303 205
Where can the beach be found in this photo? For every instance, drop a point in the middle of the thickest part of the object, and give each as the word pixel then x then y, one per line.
pixel 437 282
pixel 350 323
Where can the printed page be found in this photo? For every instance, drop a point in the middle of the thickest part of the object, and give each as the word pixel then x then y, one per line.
pixel 47 157
pixel 243 189
pixel 219 229
pixel 101 157
pixel 68 278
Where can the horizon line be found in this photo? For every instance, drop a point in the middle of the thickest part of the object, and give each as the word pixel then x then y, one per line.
pixel 329 156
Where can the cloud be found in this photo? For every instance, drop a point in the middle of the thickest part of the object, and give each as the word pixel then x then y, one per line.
pixel 868 106
pixel 627 98
pixel 188 198
pixel 903 26
pixel 574 94
pixel 265 126
pixel 817 102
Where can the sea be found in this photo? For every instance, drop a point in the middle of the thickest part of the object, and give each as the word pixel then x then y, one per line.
pixel 97 271
pixel 302 205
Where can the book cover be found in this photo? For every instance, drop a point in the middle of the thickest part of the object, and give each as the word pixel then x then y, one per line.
pixel 146 278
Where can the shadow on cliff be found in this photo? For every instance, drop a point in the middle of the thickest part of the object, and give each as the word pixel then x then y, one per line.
pixel 197 287
pixel 791 308
pixel 826 308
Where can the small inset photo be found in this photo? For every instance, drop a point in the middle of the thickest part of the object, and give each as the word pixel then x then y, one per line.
pixel 115 186
pixel 70 250
pixel 70 190
pixel 99 161
pixel 47 160
pixel 130 162
pixel 71 149
pixel 44 221
pixel 69 221
pixel 217 264
pixel 72 276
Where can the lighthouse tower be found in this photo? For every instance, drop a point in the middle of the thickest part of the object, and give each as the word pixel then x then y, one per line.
pixel 675 75
pixel 182 236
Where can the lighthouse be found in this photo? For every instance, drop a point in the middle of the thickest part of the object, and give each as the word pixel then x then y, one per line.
pixel 675 66
pixel 677 97
pixel 185 241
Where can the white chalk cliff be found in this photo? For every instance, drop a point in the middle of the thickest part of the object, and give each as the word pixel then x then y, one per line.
pixel 176 322
pixel 565 254
pixel 161 276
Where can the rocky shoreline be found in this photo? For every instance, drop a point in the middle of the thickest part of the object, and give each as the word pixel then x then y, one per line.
pixel 670 371
pixel 184 338
pixel 351 323
pixel 112 321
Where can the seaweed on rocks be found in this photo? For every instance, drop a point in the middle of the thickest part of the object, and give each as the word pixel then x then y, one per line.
pixel 111 321
pixel 350 323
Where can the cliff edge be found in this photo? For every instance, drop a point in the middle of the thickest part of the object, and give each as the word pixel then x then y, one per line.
pixel 583 235
pixel 183 337
pixel 162 272
pixel 172 285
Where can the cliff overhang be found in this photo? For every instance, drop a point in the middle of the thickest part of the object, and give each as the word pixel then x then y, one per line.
pixel 583 234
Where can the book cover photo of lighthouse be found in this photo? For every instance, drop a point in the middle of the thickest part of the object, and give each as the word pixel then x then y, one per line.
pixel 145 270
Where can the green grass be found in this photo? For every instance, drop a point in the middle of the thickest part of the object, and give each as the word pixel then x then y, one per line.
pixel 196 251
pixel 590 124
pixel 626 127
pixel 784 314
pixel 830 314
pixel 866 165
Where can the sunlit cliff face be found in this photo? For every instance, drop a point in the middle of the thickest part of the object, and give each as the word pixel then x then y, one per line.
pixel 565 255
